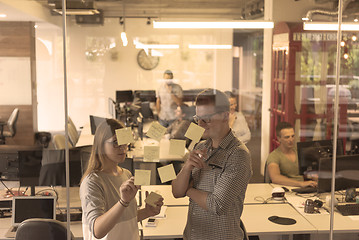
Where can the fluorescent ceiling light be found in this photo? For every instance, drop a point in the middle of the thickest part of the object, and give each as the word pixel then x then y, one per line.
pixel 327 26
pixel 204 46
pixel 156 46
pixel 2 15
pixel 232 24
pixel 78 11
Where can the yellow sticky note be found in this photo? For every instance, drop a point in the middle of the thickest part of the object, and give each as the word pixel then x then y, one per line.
pixel 194 132
pixel 152 198
pixel 142 177
pixel 124 136
pixel 177 147
pixel 151 153
pixel 167 173
pixel 156 131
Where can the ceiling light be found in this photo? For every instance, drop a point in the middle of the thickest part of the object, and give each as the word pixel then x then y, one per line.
pixel 232 24
pixel 328 26
pixel 342 43
pixel 346 55
pixel 356 20
pixel 156 46
pixel 2 15
pixel 204 46
pixel 354 38
pixel 78 11
pixel 124 39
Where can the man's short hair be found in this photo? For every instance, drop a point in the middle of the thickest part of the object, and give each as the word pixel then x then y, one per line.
pixel 169 73
pixel 215 98
pixel 282 125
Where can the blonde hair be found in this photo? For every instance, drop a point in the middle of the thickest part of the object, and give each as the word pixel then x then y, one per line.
pixel 104 131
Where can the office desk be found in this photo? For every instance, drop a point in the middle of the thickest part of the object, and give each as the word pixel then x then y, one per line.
pixel 255 219
pixel 170 227
pixel 342 224
pixel 166 192
pixel 262 191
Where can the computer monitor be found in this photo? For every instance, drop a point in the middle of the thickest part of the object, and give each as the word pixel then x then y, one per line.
pixel 38 168
pixel 146 95
pixel 310 152
pixel 346 174
pixel 29 168
pixel 124 96
pixel 94 122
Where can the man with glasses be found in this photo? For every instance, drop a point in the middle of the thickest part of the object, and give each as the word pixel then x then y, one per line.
pixel 215 175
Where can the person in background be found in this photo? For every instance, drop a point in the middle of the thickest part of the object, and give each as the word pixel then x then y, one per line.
pixel 237 121
pixel 178 128
pixel 169 96
pixel 282 163
pixel 215 175
pixel 107 191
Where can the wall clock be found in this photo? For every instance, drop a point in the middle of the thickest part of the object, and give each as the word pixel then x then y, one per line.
pixel 147 62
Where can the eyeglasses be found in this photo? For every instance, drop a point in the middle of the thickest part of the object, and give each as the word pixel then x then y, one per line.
pixel 205 118
pixel 115 144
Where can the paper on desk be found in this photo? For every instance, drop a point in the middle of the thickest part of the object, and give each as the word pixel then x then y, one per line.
pixel 152 198
pixel 156 131
pixel 167 173
pixel 151 153
pixel 194 132
pixel 177 147
pixel 124 136
pixel 142 177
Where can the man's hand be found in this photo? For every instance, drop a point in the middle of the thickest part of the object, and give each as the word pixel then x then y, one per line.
pixel 309 183
pixel 195 159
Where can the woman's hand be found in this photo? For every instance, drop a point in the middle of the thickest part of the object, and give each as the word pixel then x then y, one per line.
pixel 152 211
pixel 128 190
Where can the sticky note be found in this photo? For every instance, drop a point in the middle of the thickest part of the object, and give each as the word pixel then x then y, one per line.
pixel 167 173
pixel 151 153
pixel 142 177
pixel 152 198
pixel 177 147
pixel 156 131
pixel 124 136
pixel 194 132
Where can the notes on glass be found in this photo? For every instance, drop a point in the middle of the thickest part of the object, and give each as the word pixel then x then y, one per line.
pixel 177 147
pixel 156 131
pixel 142 177
pixel 124 136
pixel 194 132
pixel 152 198
pixel 167 173
pixel 151 153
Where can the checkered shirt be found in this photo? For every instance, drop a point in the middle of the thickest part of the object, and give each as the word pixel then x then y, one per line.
pixel 225 178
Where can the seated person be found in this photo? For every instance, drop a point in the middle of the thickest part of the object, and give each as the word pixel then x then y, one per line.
pixel 237 121
pixel 178 128
pixel 282 163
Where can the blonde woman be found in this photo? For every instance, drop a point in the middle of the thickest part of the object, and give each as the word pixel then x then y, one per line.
pixel 107 191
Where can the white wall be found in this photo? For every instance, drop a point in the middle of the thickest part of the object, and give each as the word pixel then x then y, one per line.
pixel 91 81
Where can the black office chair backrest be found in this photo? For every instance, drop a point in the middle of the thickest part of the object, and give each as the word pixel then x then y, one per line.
pixel 36 228
pixel 11 123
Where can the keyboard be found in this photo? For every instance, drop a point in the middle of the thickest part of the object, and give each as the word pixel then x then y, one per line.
pixel 307 189
pixel 348 209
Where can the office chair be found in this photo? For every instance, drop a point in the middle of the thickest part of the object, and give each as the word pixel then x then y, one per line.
pixel 37 228
pixel 73 134
pixel 59 142
pixel 11 125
